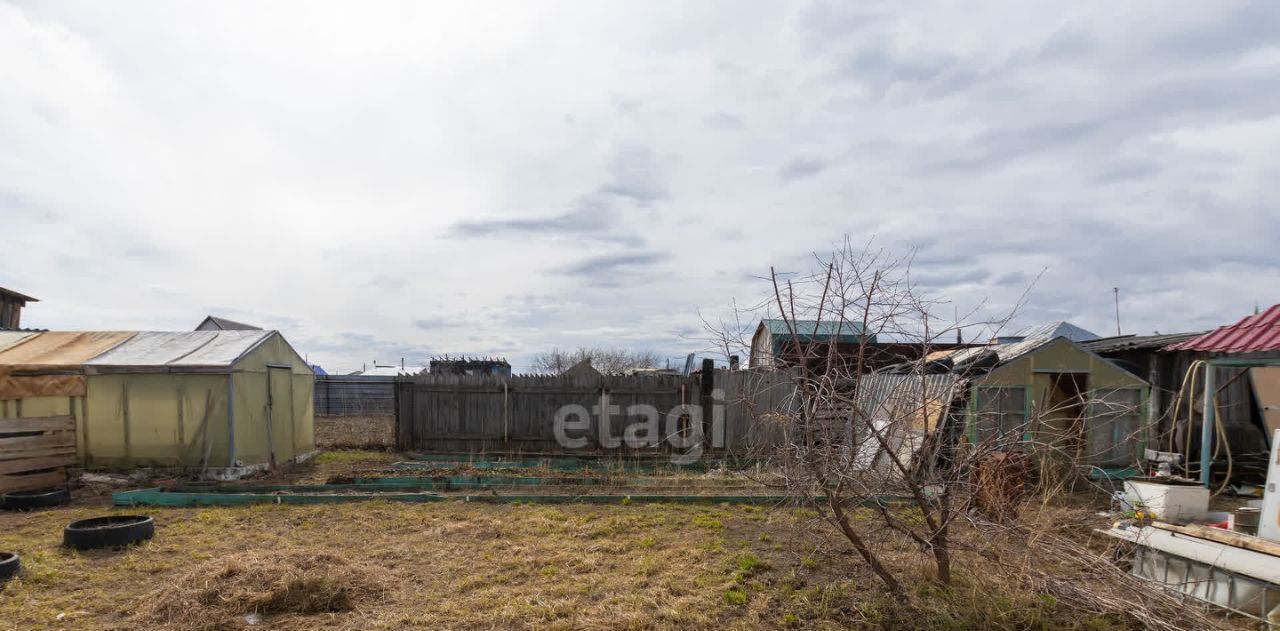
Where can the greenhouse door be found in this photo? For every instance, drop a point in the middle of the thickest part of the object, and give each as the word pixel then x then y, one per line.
pixel 279 412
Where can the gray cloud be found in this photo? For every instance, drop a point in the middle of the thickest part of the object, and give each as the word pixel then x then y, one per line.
pixel 384 281
pixel 723 121
pixel 611 270
pixel 436 323
pixel 1231 32
pixel 634 177
pixel 582 222
pixel 942 278
pixel 16 207
pixel 801 168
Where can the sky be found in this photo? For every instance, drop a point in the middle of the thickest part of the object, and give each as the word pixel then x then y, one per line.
pixel 387 180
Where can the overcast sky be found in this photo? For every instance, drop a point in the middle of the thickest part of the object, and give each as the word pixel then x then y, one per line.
pixel 380 180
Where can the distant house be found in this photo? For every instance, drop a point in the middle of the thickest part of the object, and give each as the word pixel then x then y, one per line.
pixel 11 304
pixel 473 366
pixel 214 323
pixel 582 369
pixel 391 370
pixel 778 343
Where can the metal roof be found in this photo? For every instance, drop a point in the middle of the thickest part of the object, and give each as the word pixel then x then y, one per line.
pixel 1256 333
pixel 1061 328
pixel 223 324
pixel 811 330
pixel 1120 343
pixel 1032 339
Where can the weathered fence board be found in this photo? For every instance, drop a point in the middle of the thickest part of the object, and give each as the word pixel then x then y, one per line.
pixel 479 413
pixel 34 452
pixel 349 395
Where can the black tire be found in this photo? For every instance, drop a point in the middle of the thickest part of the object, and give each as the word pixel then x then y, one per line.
pixel 31 500
pixel 112 531
pixel 9 565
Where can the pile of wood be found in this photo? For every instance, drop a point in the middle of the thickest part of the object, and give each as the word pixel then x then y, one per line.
pixel 35 451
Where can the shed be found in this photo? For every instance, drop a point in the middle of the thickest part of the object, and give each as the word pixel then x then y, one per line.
pixel 1240 365
pixel 225 402
pixel 229 402
pixel 775 341
pixel 1055 394
pixel 11 304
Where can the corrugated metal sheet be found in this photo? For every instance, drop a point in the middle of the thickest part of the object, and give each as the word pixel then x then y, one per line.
pixel 1136 342
pixel 1254 334
pixel 1032 339
pixel 1061 328
pixel 183 348
pixel 1006 352
pixel 877 390
pixel 62 348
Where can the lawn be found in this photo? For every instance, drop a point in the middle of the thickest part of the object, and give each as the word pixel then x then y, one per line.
pixel 455 564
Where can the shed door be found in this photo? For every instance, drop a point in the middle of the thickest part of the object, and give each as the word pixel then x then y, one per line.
pixel 280 428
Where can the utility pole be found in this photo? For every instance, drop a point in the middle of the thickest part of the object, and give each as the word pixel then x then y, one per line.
pixel 1117 292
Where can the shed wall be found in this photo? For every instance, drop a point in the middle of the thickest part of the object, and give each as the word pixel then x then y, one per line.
pixel 154 419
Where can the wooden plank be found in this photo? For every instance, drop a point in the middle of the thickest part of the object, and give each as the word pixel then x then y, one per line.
pixel 37 424
pixel 38 453
pixel 1223 536
pixel 10 483
pixel 22 465
pixel 25 443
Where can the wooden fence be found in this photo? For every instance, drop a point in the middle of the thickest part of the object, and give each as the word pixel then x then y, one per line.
pixel 453 413
pixel 34 452
pixel 351 395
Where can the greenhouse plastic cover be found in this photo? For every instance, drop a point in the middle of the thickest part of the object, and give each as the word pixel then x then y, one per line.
pixel 185 348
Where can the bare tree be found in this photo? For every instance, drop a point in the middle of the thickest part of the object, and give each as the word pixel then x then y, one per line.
pixel 610 361
pixel 882 451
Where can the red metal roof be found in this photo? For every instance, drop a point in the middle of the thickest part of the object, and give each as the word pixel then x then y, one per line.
pixel 1260 332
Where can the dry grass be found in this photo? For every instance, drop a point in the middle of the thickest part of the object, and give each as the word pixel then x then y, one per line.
pixel 221 592
pixel 357 431
pixel 455 565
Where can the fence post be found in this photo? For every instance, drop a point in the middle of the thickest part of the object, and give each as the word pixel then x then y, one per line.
pixel 395 397
pixel 704 398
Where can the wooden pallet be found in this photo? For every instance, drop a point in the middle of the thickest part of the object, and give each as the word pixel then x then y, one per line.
pixel 35 451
